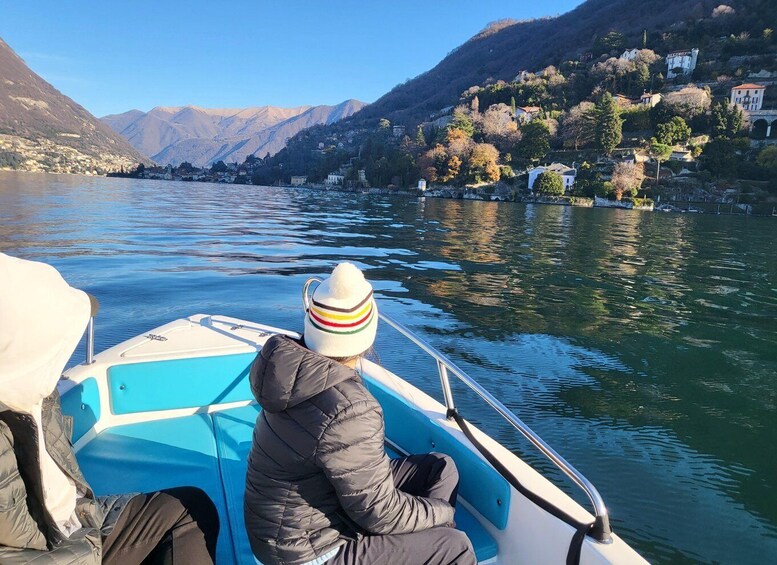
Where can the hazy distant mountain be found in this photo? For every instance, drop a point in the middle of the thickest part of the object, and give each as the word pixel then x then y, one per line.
pixel 41 129
pixel 204 135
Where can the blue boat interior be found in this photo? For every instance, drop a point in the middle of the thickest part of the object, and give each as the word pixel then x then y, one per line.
pixel 210 451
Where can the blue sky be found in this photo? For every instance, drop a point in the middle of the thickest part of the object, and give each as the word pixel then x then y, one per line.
pixel 111 56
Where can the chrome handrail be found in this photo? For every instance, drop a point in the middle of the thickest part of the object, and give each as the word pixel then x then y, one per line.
pixel 444 365
pixel 94 307
pixel 90 342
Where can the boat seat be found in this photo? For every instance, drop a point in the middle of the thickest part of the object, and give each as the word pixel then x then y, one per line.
pixel 234 430
pixel 150 456
pixel 209 452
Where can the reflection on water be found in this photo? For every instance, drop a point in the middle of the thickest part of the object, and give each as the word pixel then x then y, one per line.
pixel 641 346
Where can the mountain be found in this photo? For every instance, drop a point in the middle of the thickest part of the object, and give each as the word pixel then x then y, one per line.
pixel 507 47
pixel 41 129
pixel 205 135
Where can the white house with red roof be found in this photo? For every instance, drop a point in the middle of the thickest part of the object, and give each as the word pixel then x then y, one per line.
pixel 748 96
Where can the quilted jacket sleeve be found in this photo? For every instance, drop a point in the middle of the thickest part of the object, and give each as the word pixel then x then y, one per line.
pixel 81 553
pixel 351 453
pixel 18 529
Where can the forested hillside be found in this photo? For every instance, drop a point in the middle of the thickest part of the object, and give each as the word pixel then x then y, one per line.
pixel 462 123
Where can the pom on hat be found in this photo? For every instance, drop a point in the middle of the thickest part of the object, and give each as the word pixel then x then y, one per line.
pixel 346 279
pixel 342 319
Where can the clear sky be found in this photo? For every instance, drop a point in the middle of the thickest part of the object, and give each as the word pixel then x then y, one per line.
pixel 114 55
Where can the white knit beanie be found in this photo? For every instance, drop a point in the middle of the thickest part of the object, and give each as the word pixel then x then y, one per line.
pixel 342 319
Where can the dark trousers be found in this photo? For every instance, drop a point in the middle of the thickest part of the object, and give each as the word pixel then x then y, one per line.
pixel 175 526
pixel 432 475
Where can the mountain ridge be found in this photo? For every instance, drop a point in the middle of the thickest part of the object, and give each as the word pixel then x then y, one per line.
pixel 201 136
pixel 41 129
pixel 506 47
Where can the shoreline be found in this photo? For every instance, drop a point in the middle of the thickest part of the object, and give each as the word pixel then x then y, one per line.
pixel 454 193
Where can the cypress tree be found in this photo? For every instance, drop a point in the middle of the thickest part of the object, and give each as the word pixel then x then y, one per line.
pixel 608 129
pixel 420 139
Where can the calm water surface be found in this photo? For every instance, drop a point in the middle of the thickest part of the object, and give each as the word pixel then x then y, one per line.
pixel 642 346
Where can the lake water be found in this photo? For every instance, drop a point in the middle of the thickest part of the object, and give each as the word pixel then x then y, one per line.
pixel 642 346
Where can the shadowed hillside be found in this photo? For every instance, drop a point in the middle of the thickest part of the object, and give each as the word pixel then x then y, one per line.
pixel 43 130
pixel 505 48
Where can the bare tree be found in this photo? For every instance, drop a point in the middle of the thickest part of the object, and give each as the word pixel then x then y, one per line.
pixel 723 10
pixel 689 102
pixel 577 126
pixel 627 179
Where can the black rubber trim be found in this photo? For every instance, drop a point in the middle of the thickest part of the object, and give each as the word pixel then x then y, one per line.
pixel 582 528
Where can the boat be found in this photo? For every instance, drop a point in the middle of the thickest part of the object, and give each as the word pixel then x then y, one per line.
pixel 173 407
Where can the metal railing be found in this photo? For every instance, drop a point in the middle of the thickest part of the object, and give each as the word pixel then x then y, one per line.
pixel 95 307
pixel 445 365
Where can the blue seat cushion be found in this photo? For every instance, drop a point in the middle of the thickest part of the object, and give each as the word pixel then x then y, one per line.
pixel 234 432
pixel 480 484
pixel 179 383
pixel 151 456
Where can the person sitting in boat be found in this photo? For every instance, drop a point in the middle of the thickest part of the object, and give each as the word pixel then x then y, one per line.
pixel 48 513
pixel 320 487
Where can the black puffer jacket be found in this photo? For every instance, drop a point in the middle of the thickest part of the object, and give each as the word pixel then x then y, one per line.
pixel 318 473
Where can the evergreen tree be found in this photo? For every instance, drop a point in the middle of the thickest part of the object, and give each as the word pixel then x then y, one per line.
pixel 549 184
pixel 608 124
pixel 673 131
pixel 420 139
pixel 535 141
pixel 587 180
pixel 660 152
pixel 727 120
pixel 462 122
pixel 512 104
pixel 641 79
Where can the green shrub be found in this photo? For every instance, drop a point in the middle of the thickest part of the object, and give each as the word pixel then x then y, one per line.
pixel 549 184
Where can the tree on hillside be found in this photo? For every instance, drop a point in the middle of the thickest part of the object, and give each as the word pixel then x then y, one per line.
pixel 452 169
pixel 577 125
pixel 688 102
pixel 767 159
pixel 610 42
pixel 535 141
pixel 660 152
pixel 497 126
pixel 420 138
pixel 384 124
pixel 608 124
pixel 727 119
pixel 483 163
pixel 627 179
pixel 462 121
pixel 720 156
pixel 432 163
pixel 459 143
pixel 674 131
pixel 587 180
pixel 549 184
